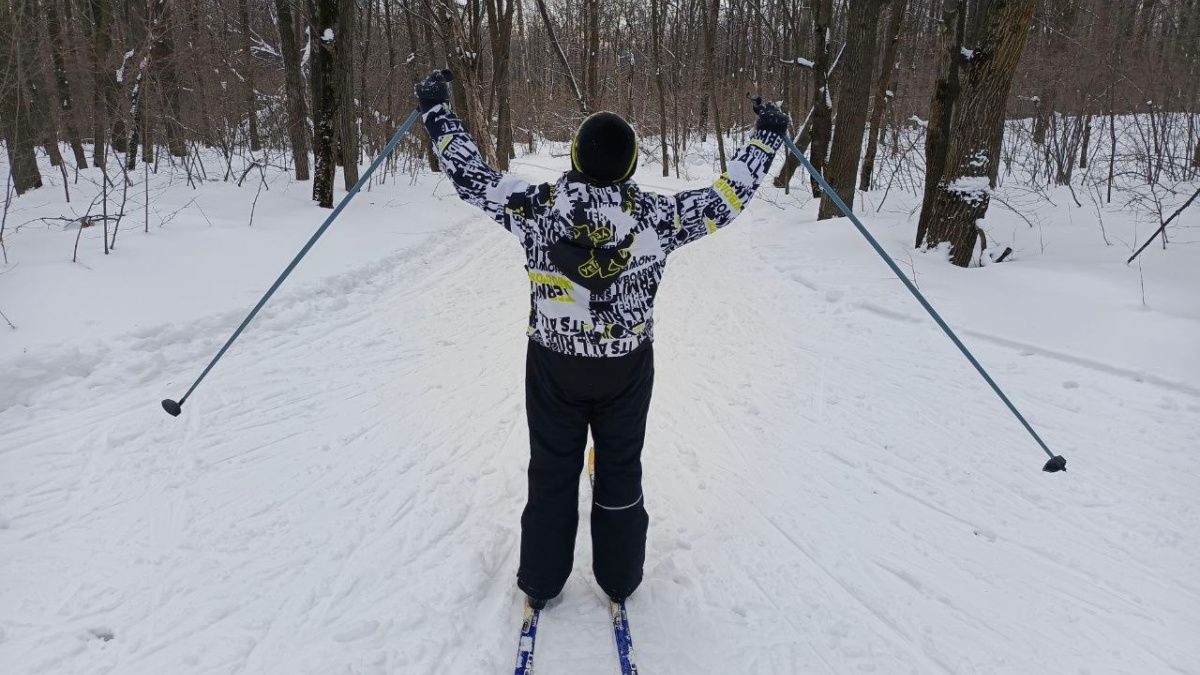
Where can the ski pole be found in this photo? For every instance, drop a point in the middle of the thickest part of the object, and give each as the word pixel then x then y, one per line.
pixel 1056 462
pixel 173 408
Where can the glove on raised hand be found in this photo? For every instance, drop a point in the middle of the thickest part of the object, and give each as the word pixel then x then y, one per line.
pixel 770 117
pixel 434 90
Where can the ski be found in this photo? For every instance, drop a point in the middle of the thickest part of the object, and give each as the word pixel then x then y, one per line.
pixel 616 610
pixel 620 626
pixel 528 636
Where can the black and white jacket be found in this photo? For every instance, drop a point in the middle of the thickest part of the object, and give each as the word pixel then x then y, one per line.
pixel 595 254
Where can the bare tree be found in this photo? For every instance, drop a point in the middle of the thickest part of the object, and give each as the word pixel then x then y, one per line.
pixel 29 73
pixel 941 107
pixel 500 22
pixel 247 77
pixel 325 98
pixel 818 130
pixel 710 46
pixel 883 94
pixel 962 196
pixel 62 82
pixel 656 31
pixel 861 39
pixel 580 97
pixel 297 108
pixel 15 116
pixel 347 109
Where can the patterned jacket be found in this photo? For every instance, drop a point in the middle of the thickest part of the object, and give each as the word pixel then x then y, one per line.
pixel 595 254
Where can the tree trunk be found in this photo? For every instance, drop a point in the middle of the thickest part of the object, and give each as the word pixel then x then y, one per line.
pixel 137 98
pixel 1087 141
pixel 656 30
pixel 119 130
pixel 961 198
pixel 297 106
pixel 137 116
pixel 325 101
pixel 163 58
pixel 823 106
pixel 592 53
pixel 15 117
pixel 65 103
pixel 104 84
pixel 248 76
pixel 347 110
pixel 822 116
pixel 861 39
pixel 941 108
pixel 710 47
pixel 882 90
pixel 1043 109
pixel 500 21
pixel 29 73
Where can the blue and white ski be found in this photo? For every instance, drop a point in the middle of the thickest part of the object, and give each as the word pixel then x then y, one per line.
pixel 616 610
pixel 528 637
pixel 620 626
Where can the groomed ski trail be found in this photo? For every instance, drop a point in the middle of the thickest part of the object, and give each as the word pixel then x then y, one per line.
pixel 830 490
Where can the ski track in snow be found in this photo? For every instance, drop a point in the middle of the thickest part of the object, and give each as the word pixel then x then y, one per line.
pixel 831 490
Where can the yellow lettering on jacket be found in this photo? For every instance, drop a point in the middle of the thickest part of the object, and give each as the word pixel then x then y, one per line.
pixel 726 189
pixel 547 279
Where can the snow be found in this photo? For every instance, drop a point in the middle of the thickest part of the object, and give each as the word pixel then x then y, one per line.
pixel 971 188
pixel 968 54
pixel 120 74
pixel 832 489
pixel 327 36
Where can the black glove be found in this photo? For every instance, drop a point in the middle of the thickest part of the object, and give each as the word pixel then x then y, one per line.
pixel 434 90
pixel 770 117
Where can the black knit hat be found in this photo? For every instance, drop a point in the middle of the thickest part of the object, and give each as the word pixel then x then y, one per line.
pixel 605 149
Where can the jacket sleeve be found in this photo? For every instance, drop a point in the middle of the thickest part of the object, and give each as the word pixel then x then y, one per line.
pixel 507 200
pixel 692 214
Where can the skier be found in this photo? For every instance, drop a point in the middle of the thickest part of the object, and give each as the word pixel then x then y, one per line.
pixel 595 250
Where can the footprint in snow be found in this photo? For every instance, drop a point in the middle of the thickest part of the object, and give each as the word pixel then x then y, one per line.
pixel 986 534
pixel 356 631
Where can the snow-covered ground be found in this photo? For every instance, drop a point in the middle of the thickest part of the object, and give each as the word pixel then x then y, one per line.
pixel 832 488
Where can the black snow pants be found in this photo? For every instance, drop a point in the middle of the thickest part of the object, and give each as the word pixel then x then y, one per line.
pixel 564 395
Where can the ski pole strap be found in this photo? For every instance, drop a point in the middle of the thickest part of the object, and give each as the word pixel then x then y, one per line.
pixel 387 150
pixel 1057 462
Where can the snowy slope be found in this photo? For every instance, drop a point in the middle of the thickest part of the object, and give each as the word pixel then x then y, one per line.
pixel 832 489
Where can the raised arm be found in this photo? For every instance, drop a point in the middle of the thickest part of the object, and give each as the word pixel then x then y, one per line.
pixel 506 199
pixel 692 214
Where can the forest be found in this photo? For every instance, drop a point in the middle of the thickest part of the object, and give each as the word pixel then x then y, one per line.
pixel 228 448
pixel 944 97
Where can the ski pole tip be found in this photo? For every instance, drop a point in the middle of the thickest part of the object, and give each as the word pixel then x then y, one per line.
pixel 173 409
pixel 1056 463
